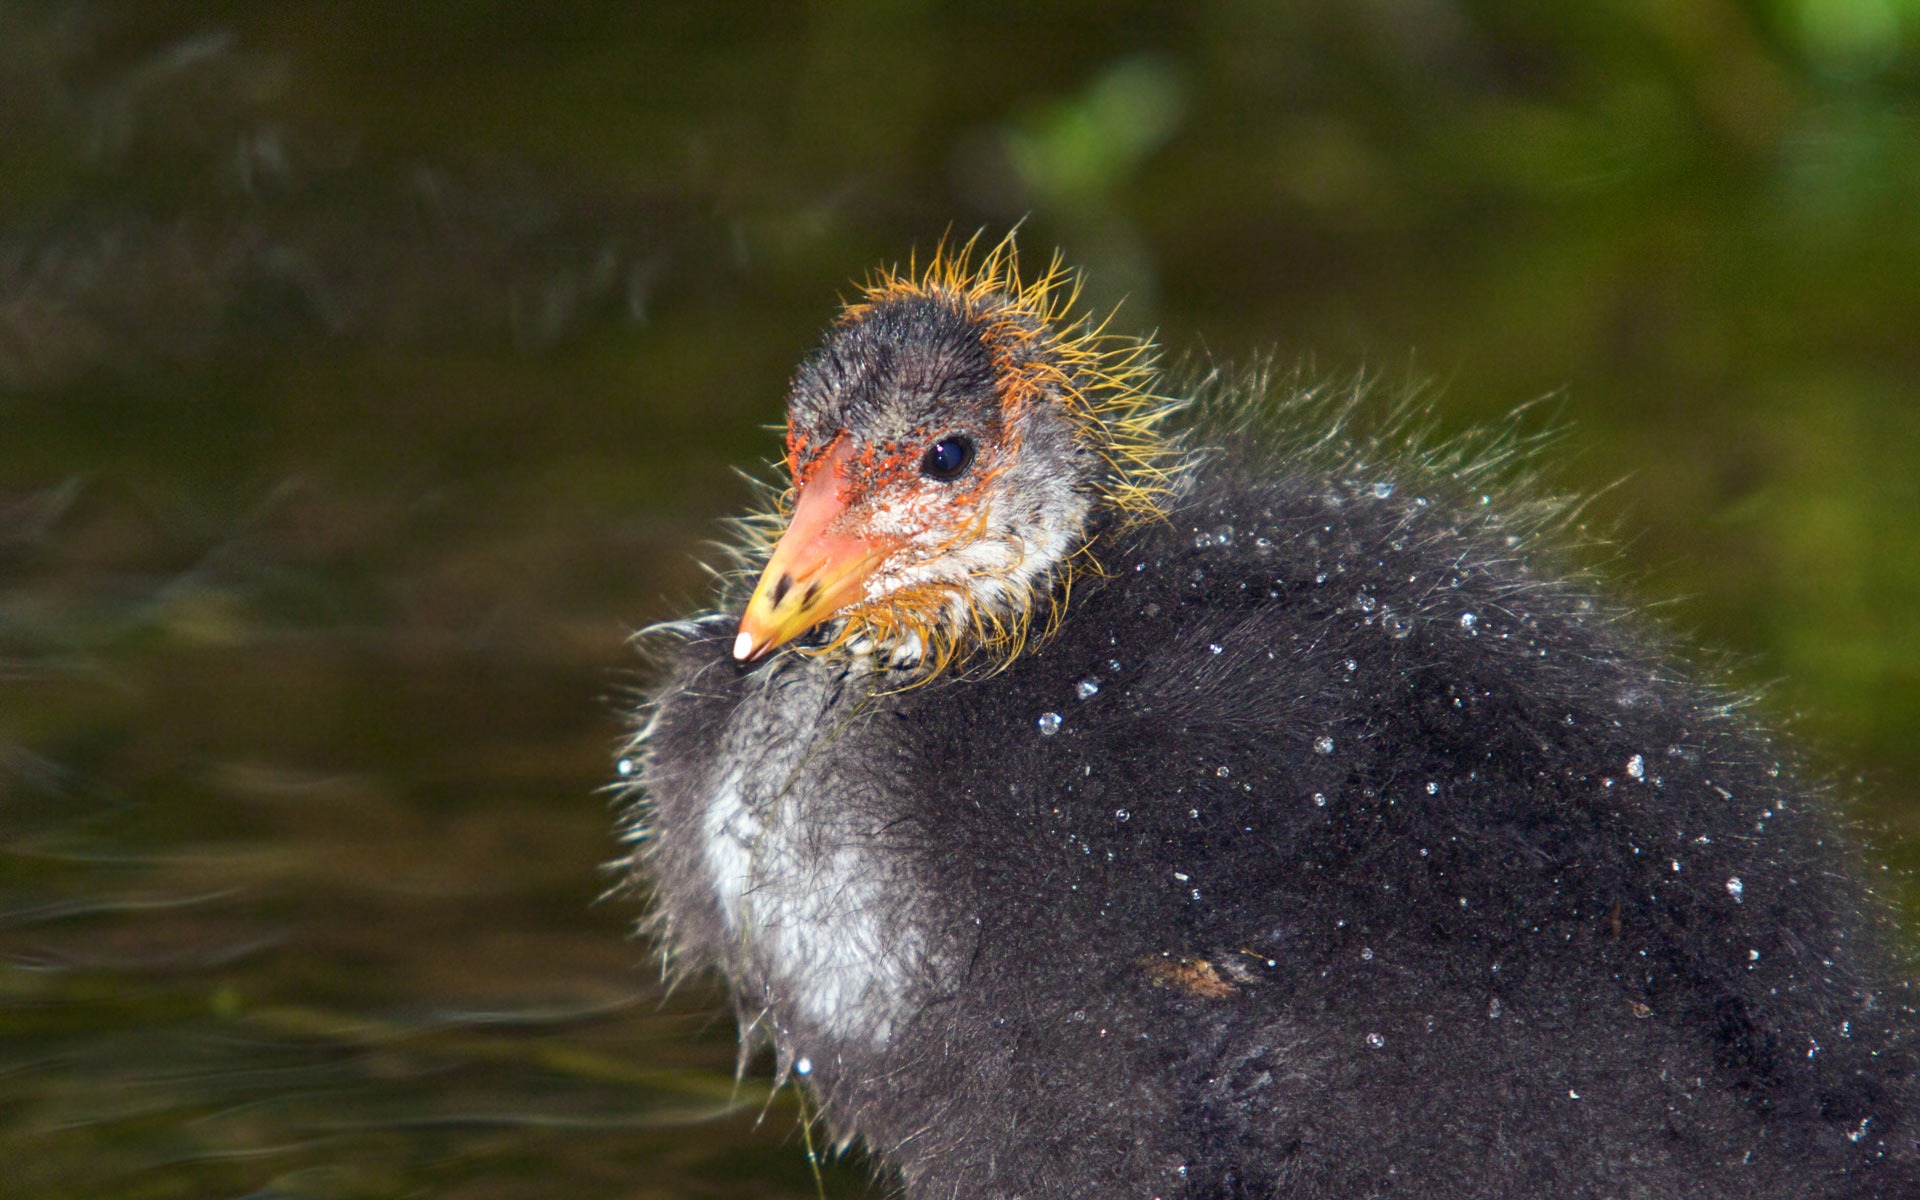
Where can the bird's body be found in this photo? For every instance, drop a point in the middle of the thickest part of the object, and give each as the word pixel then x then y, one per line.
pixel 1322 847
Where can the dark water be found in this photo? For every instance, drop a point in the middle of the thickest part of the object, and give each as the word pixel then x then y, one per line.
pixel 368 371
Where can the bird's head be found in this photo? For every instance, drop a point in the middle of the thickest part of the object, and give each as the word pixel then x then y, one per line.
pixel 952 447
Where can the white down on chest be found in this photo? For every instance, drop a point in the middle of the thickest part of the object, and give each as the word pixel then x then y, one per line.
pixel 816 921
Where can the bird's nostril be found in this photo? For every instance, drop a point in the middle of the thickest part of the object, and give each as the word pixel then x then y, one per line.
pixel 781 587
pixel 813 593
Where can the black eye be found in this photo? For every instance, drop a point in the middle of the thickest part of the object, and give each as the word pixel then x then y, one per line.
pixel 948 458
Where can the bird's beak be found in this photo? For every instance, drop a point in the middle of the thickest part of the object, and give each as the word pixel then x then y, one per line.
pixel 817 569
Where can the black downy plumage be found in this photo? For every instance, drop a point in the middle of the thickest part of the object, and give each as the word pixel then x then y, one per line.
pixel 1131 813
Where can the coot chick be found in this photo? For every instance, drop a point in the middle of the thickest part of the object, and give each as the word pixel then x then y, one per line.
pixel 1094 797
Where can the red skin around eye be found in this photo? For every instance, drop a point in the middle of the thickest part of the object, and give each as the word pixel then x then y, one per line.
pixel 871 466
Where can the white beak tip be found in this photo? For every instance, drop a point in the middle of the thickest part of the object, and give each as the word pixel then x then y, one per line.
pixel 743 646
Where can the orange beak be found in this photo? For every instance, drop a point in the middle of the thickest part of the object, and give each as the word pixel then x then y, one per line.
pixel 817 569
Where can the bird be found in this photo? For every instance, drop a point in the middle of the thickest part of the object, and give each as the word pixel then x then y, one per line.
pixel 1095 781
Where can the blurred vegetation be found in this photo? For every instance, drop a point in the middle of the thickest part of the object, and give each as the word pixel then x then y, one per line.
pixel 367 370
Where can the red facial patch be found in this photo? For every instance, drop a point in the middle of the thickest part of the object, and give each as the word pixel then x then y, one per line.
pixel 804 456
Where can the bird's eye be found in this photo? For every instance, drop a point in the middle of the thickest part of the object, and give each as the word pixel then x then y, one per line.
pixel 948 458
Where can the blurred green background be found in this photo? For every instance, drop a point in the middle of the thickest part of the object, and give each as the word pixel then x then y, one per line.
pixel 367 371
